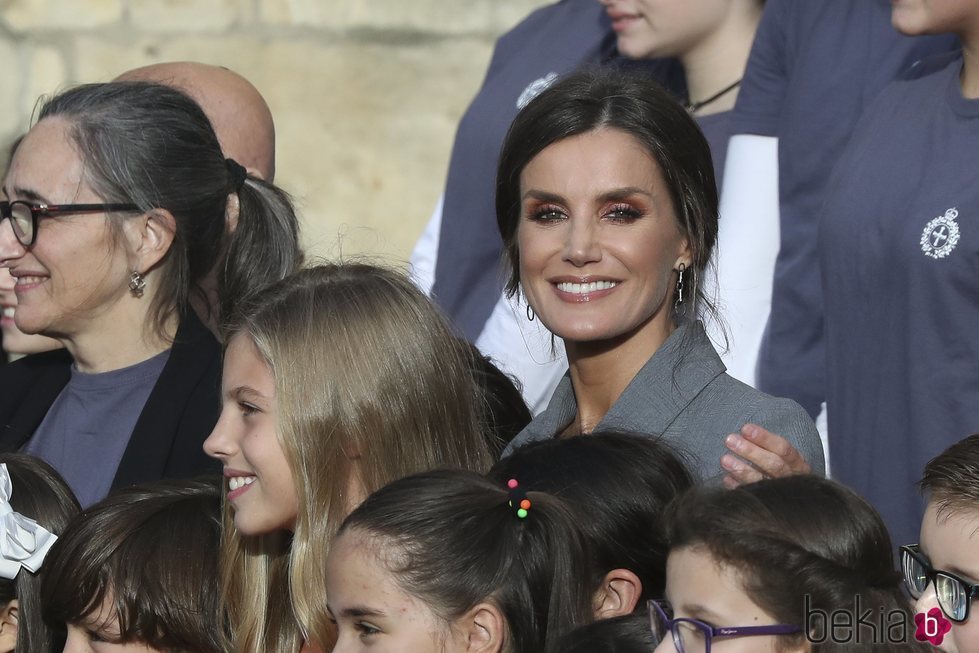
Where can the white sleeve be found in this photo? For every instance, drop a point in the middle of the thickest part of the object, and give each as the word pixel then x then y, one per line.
pixel 747 245
pixel 425 254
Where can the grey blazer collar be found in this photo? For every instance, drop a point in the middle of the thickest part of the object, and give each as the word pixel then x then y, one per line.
pixel 664 386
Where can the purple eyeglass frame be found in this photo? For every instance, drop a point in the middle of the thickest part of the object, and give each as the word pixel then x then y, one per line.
pixel 710 632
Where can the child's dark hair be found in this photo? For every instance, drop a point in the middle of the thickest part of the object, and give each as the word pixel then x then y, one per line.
pixel 621 485
pixel 951 479
pixel 628 634
pixel 39 493
pixel 456 543
pixel 504 411
pixel 799 541
pixel 152 553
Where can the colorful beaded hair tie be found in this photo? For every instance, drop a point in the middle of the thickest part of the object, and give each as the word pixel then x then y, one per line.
pixel 518 499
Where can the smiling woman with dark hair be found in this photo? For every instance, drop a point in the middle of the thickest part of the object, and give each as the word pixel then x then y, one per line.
pixel 608 211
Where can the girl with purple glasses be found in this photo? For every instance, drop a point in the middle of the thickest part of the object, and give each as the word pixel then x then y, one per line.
pixel 777 566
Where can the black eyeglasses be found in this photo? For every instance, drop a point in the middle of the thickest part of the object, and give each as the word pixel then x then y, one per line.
pixel 954 594
pixel 695 636
pixel 23 215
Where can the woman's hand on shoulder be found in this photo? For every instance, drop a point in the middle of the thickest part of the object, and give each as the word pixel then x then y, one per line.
pixel 757 453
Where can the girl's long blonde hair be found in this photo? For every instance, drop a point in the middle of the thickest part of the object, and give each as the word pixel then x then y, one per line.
pixel 367 372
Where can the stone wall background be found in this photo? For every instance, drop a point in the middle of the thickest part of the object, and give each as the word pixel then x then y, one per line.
pixel 366 94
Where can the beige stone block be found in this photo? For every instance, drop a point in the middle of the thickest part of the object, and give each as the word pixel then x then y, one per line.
pixel 12 119
pixel 24 15
pixel 365 142
pixel 47 73
pixel 187 15
pixel 364 130
pixel 439 16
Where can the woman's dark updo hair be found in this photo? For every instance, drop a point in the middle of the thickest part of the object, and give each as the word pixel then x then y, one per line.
pixel 799 541
pixel 152 146
pixel 631 102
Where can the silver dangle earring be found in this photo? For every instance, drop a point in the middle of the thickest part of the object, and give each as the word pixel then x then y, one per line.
pixel 530 313
pixel 678 304
pixel 137 284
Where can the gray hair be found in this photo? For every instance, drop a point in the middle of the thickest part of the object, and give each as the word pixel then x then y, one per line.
pixel 153 146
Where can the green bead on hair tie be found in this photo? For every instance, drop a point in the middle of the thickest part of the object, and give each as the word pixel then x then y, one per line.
pixel 518 499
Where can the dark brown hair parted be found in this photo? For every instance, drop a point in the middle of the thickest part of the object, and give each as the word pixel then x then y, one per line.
pixel 629 101
pixel 151 554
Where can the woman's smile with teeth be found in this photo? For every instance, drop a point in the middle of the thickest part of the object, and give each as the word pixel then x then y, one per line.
pixel 585 288
pixel 236 482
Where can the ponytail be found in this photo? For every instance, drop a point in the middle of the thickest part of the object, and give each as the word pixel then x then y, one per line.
pixel 264 247
pixel 458 542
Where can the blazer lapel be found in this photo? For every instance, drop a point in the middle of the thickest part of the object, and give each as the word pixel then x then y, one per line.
pixel 149 455
pixel 29 386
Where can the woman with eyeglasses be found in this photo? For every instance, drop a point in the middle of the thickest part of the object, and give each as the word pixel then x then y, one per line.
pixel 772 566
pixel 15 342
pixel 942 571
pixel 117 200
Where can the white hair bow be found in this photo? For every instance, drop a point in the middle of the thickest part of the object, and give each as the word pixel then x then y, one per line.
pixel 23 542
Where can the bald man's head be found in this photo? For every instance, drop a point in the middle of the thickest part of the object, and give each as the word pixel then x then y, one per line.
pixel 241 118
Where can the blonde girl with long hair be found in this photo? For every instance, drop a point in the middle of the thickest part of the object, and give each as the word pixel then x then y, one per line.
pixel 337 380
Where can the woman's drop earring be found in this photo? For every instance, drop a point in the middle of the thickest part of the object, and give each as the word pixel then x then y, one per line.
pixel 530 313
pixel 678 304
pixel 137 284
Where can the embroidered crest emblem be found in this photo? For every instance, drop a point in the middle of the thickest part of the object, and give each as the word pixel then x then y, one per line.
pixel 941 235
pixel 534 89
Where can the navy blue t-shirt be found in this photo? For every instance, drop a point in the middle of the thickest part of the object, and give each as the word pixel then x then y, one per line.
pixel 717 131
pixel 88 427
pixel 814 67
pixel 899 250
pixel 550 42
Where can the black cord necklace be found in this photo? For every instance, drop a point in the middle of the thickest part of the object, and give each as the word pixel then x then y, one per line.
pixel 693 107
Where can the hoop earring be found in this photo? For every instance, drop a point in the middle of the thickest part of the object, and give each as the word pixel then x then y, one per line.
pixel 530 313
pixel 678 304
pixel 137 284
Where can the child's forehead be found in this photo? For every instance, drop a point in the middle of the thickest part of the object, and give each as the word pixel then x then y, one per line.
pixel 951 512
pixel 950 536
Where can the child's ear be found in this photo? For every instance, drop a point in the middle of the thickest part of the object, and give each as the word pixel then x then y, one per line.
pixel 8 626
pixel 483 629
pixel 618 594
